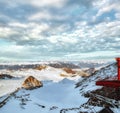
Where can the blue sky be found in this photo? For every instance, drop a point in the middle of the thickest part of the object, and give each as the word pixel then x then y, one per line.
pixel 35 30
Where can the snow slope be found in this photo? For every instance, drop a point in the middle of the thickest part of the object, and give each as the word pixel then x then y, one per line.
pixel 50 73
pixel 51 98
pixel 109 71
pixel 58 94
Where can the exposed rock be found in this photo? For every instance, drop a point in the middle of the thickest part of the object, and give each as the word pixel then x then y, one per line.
pixel 106 110
pixel 63 64
pixel 31 83
pixel 82 73
pixel 5 99
pixel 42 106
pixel 90 71
pixel 53 107
pixel 72 73
pixel 109 92
pixel 103 73
pixel 41 67
pixel 65 75
pixel 69 70
pixel 3 76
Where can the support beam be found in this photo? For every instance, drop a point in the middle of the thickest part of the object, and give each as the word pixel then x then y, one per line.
pixel 118 64
pixel 109 83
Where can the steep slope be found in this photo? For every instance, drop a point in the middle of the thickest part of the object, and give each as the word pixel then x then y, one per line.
pixel 98 95
pixel 109 71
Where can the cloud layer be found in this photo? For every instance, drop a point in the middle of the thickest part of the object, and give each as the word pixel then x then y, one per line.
pixel 36 30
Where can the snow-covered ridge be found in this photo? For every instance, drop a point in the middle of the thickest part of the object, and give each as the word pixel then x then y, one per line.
pixel 88 86
pixel 109 71
pixel 56 64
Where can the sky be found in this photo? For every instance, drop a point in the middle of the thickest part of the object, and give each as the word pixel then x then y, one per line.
pixel 45 30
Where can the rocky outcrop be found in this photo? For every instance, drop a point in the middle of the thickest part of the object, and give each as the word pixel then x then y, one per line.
pixel 103 73
pixel 69 70
pixel 4 76
pixel 90 71
pixel 65 75
pixel 31 83
pixel 63 64
pixel 41 67
pixel 106 110
pixel 72 73
pixel 82 73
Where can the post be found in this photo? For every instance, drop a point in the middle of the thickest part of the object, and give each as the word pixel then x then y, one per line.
pixel 118 64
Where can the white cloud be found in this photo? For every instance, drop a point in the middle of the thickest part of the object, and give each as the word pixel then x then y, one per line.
pixel 105 9
pixel 108 8
pixel 6 32
pixel 117 15
pixel 40 15
pixel 63 39
pixel 35 30
pixel 45 25
pixel 101 30
pixel 26 31
pixel 16 48
pixel 17 24
pixel 40 3
pixel 46 15
pixel 105 6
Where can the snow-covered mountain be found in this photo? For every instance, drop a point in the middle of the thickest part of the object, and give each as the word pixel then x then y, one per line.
pixel 59 94
pixel 109 71
pixel 56 64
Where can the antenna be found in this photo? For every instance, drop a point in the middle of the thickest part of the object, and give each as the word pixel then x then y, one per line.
pixel 118 64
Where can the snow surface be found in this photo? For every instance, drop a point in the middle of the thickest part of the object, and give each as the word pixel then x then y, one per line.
pixel 49 73
pixel 8 86
pixel 58 93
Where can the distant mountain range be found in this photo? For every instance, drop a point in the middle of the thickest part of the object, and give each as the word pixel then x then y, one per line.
pixel 56 64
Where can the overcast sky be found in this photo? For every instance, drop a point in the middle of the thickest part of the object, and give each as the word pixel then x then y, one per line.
pixel 34 30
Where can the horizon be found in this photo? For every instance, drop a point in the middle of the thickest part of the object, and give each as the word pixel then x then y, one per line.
pixel 59 30
pixel 108 62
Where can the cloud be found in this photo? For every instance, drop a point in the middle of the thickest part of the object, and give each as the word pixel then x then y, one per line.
pixel 6 32
pixel 108 8
pixel 45 3
pixel 17 25
pixel 58 28
pixel 117 15
pixel 15 11
pixel 55 13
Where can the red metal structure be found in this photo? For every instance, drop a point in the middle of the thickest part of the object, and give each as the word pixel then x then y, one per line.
pixel 118 62
pixel 111 83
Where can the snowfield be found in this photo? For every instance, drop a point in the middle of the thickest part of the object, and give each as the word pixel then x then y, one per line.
pixel 58 95
pixel 51 98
